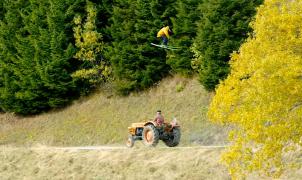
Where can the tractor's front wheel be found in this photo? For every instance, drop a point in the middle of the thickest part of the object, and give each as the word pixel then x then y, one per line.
pixel 150 136
pixel 130 141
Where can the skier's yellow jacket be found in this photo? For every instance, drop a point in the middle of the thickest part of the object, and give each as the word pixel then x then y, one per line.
pixel 164 32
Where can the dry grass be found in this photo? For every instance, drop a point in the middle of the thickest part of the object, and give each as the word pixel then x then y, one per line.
pixel 138 163
pixel 103 118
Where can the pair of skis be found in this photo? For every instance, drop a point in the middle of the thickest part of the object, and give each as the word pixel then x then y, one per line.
pixel 165 47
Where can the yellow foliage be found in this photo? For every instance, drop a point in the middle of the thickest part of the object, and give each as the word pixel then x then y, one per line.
pixel 262 96
pixel 90 45
pixel 88 40
pixel 195 63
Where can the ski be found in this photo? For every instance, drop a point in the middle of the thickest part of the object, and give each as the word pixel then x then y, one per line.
pixel 165 47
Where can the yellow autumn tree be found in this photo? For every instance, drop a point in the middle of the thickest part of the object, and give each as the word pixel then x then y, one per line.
pixel 262 97
pixel 89 43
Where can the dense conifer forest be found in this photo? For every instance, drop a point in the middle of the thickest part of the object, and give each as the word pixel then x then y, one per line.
pixel 54 51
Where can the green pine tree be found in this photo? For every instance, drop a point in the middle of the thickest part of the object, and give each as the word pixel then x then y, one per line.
pixel 105 8
pixel 10 25
pixel 184 28
pixel 137 65
pixel 223 26
pixel 38 58
pixel 162 12
pixel 2 10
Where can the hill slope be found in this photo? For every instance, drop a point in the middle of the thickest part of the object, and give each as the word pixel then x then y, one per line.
pixel 103 118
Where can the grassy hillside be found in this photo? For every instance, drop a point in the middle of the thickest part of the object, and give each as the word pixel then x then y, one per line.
pixel 103 118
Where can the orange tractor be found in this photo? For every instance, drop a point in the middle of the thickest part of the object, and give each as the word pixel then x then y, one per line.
pixel 151 133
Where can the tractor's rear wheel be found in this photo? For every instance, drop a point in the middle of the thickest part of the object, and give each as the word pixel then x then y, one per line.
pixel 130 141
pixel 174 139
pixel 150 136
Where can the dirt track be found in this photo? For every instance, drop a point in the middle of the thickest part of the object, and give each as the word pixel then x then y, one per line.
pixel 106 148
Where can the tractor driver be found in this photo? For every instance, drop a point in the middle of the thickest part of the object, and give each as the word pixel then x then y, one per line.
pixel 159 119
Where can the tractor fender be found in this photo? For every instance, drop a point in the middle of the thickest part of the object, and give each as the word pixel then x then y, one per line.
pixel 150 123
